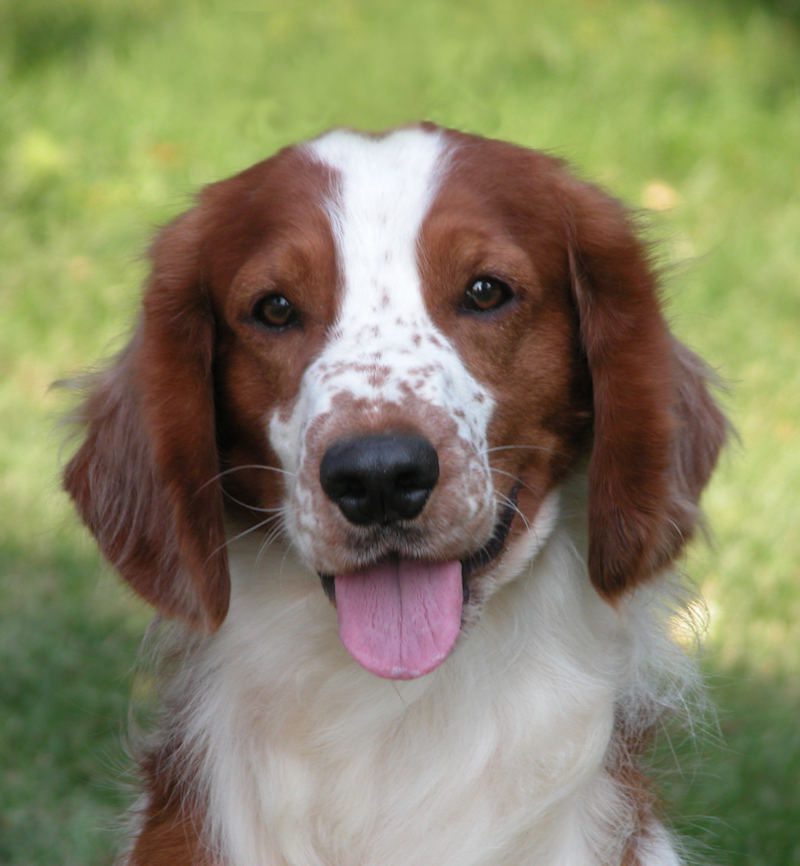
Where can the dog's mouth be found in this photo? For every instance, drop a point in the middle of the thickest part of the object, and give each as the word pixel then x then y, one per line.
pixel 400 618
pixel 477 562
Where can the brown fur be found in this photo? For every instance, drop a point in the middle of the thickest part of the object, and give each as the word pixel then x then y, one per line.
pixel 170 832
pixel 584 357
pixel 184 400
pixel 652 408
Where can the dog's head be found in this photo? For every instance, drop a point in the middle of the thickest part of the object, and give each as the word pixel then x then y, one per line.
pixel 390 350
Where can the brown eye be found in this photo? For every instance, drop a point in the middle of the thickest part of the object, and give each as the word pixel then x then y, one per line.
pixel 275 311
pixel 485 294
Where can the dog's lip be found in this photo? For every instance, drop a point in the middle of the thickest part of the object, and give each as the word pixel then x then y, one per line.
pixel 494 546
pixel 474 562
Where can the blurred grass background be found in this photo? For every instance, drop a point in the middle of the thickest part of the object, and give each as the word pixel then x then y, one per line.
pixel 111 113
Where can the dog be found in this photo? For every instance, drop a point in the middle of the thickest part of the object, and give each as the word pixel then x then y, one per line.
pixel 403 452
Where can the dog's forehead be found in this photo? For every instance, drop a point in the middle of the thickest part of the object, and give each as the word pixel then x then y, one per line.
pixel 382 190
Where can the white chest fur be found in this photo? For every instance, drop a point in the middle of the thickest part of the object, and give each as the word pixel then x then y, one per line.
pixel 500 756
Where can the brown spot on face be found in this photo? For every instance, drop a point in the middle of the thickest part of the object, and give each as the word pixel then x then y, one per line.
pixel 379 376
pixel 425 370
pixel 407 391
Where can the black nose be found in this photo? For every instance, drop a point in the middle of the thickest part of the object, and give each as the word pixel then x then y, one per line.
pixel 381 478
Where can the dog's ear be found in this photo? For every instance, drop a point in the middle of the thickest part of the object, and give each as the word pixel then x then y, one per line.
pixel 657 430
pixel 145 477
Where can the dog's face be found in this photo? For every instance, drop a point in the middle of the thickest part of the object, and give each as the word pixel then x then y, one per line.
pixel 432 392
pixel 391 350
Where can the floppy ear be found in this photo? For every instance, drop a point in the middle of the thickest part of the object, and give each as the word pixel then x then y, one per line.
pixel 141 480
pixel 657 430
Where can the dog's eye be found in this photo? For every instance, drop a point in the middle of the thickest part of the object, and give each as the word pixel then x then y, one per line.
pixel 275 311
pixel 485 294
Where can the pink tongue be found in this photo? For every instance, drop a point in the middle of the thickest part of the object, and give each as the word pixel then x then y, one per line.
pixel 400 619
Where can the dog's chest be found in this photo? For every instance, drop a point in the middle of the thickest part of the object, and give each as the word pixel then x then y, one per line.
pixel 310 761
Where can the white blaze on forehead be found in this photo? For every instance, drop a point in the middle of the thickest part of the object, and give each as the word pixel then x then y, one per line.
pixel 385 189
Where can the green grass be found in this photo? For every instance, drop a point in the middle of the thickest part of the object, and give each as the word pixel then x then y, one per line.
pixel 111 113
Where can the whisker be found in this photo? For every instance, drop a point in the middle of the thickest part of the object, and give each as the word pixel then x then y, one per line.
pixel 245 532
pixel 251 507
pixel 260 466
pixel 513 505
pixel 497 448
pixel 285 554
pixel 270 537
pixel 513 478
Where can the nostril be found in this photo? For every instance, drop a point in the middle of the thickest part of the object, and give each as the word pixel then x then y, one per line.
pixel 349 486
pixel 380 478
pixel 412 480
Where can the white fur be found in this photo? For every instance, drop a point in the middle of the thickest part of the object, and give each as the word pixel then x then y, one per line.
pixel 657 849
pixel 498 758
